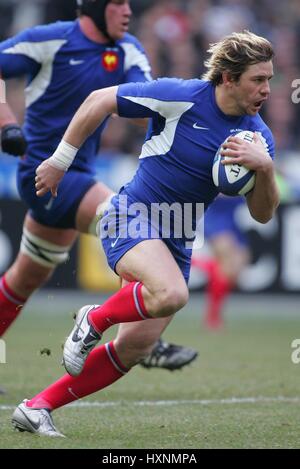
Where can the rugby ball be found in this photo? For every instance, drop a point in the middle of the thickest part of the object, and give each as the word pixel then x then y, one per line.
pixel 233 179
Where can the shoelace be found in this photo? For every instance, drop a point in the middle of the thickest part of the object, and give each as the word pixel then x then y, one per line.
pixel 86 348
pixel 80 329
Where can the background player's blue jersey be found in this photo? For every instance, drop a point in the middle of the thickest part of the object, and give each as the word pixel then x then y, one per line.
pixel 63 67
pixel 222 217
pixel 186 130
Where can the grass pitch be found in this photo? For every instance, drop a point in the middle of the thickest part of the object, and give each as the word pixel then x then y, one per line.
pixel 242 392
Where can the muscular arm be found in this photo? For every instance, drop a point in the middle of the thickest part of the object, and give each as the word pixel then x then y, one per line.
pixel 89 116
pixel 264 199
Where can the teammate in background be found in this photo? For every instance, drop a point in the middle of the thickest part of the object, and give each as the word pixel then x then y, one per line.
pixel 64 62
pixel 230 254
pixel 176 166
pixel 230 250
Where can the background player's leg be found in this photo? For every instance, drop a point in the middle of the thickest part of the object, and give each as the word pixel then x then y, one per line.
pixel 231 257
pixel 29 272
pixel 26 274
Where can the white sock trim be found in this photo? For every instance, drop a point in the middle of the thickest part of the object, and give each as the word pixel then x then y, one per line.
pixel 8 296
pixel 136 301
pixel 113 361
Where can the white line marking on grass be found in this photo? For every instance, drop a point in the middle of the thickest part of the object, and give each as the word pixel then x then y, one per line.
pixel 231 400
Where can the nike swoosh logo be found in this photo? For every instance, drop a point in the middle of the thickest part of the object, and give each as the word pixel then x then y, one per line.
pixel 115 242
pixel 75 336
pixel 73 393
pixel 109 321
pixel 195 126
pixel 76 62
pixel 48 206
pixel 34 423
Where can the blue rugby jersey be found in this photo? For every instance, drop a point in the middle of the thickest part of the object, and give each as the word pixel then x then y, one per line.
pixel 63 67
pixel 186 130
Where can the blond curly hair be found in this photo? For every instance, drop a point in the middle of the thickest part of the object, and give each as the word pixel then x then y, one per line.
pixel 234 53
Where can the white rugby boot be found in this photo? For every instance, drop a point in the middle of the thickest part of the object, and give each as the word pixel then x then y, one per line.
pixel 80 342
pixel 27 419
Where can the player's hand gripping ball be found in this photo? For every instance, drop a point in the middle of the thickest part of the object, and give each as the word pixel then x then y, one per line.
pixel 233 179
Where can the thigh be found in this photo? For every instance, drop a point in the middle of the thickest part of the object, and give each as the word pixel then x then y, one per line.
pixel 151 262
pixel 136 256
pixel 141 254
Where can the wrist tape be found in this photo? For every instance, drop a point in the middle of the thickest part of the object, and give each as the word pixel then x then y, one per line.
pixel 63 156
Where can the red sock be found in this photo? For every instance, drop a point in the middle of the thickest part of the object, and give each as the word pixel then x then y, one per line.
pixel 101 369
pixel 218 289
pixel 205 264
pixel 10 305
pixel 127 305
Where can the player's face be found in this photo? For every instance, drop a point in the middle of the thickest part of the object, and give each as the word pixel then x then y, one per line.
pixel 253 88
pixel 117 15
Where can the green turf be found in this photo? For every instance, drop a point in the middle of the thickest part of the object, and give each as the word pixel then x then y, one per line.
pixel 250 358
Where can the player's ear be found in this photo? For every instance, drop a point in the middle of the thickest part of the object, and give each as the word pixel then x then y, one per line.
pixel 227 78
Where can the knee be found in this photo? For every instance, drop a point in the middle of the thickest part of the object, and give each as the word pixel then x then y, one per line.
pixel 170 300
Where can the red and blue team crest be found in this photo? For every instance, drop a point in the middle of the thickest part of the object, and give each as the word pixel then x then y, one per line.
pixel 110 61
